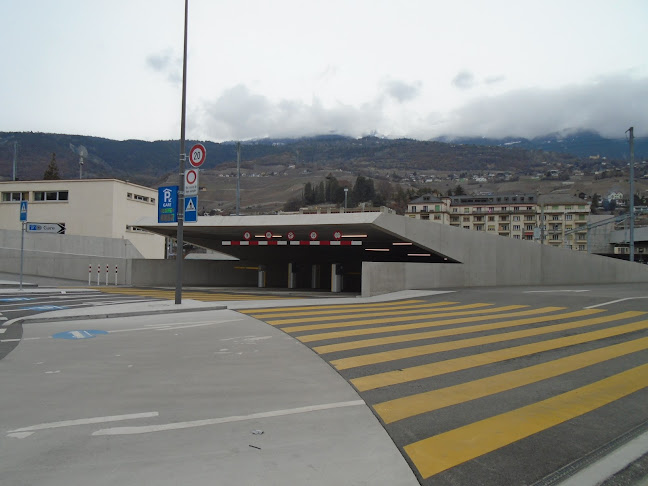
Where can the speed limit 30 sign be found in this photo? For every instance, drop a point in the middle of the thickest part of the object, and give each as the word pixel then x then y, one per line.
pixel 197 155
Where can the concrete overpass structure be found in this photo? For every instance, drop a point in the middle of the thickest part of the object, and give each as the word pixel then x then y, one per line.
pixel 379 252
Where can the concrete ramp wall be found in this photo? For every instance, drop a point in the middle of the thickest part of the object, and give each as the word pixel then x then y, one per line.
pixel 487 260
pixel 67 256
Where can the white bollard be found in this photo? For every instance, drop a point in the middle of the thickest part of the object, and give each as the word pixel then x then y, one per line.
pixel 89 274
pixel 98 272
pixel 106 275
pixel 115 275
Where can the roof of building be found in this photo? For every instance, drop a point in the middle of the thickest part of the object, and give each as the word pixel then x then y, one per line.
pixel 561 199
pixel 426 198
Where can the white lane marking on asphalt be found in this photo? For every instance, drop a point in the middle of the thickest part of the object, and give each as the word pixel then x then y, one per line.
pixel 2 330
pixel 613 302
pixel 183 326
pixel 551 291
pixel 9 340
pixel 236 418
pixel 19 435
pixel 52 372
pixel 92 420
pixel 77 334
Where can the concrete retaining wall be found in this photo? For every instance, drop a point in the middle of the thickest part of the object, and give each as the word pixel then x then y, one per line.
pixel 67 256
pixel 488 260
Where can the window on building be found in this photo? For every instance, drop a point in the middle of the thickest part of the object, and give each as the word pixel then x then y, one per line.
pixel 138 197
pixel 555 207
pixel 491 227
pixel 479 227
pixel 15 196
pixel 466 219
pixel 516 227
pixel 479 218
pixel 50 195
pixel 517 237
pixel 426 217
pixel 568 208
pixel 555 237
pixel 437 217
pixel 504 218
pixel 491 218
pixel 413 209
pixel 555 218
pixel 455 210
pixel 529 208
pixel 466 210
pixel 437 207
pixel 581 217
pixel 581 248
pixel 425 209
pixel 568 217
pixel 581 206
pixel 529 227
pixel 516 218
pixel 454 219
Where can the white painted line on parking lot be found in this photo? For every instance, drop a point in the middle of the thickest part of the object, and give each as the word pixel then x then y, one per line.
pixel 236 418
pixel 613 302
pixel 164 327
pixel 20 433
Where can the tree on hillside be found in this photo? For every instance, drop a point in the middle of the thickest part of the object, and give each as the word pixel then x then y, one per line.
pixel 52 172
pixel 363 190
pixel 459 191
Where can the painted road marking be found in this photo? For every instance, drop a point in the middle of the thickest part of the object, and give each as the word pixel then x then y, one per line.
pixel 449 449
pixel 345 307
pixel 44 307
pixel 80 334
pixel 410 406
pixel 391 310
pixel 402 338
pixel 236 418
pixel 309 338
pixel 382 357
pixel 2 330
pixel 614 302
pixel 382 312
pixel 15 299
pixel 370 382
pixel 69 423
pixel 388 320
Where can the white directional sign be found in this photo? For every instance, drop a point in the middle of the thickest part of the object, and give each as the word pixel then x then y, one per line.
pixel 58 228
pixel 191 182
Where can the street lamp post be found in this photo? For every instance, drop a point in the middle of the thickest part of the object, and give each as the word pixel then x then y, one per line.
pixel 346 191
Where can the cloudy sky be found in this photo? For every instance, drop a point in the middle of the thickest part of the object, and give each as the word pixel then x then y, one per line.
pixel 277 68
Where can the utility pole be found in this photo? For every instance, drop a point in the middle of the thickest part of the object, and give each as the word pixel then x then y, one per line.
pixel 15 161
pixel 238 178
pixel 632 215
pixel 183 156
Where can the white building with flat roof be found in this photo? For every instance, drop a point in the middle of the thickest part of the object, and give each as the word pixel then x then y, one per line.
pixel 104 208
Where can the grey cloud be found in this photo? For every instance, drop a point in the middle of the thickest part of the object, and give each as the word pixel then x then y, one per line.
pixel 609 106
pixel 494 79
pixel 166 63
pixel 464 80
pixel 239 114
pixel 402 91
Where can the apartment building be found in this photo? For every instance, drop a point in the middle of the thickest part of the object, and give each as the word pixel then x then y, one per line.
pixel 514 215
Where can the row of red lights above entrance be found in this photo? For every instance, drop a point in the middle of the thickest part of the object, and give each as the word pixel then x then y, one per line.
pixel 312 235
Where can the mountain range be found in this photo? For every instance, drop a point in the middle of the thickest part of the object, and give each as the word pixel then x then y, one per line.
pixel 148 163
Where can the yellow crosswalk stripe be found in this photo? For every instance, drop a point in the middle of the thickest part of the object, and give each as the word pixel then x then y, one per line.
pixel 454 331
pixel 309 338
pixel 386 320
pixel 381 312
pixel 344 307
pixel 402 353
pixel 405 407
pixel 449 449
pixel 389 378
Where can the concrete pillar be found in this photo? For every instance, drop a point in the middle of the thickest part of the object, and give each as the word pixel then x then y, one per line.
pixel 292 275
pixel 336 277
pixel 261 280
pixel 315 276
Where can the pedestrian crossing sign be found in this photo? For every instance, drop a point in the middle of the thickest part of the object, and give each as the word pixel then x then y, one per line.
pixel 190 212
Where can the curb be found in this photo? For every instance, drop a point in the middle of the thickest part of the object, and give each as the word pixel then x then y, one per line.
pixel 110 315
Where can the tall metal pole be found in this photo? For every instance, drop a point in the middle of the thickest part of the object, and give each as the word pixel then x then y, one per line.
pixel 183 155
pixel 238 177
pixel 632 215
pixel 15 161
pixel 22 252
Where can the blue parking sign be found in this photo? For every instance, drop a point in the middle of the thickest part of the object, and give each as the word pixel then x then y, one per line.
pixel 168 204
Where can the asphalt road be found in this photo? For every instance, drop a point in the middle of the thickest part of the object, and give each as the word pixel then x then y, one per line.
pixel 491 386
pixel 480 386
